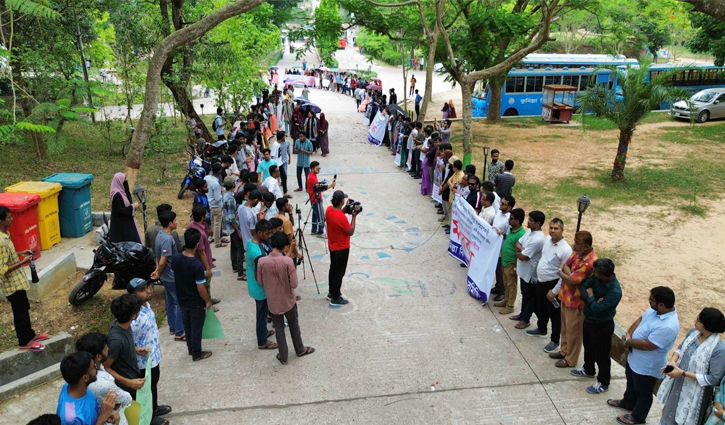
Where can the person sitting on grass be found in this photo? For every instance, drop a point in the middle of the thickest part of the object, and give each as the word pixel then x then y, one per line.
pixel 77 405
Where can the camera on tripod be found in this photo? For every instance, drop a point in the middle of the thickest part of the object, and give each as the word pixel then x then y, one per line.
pixel 352 206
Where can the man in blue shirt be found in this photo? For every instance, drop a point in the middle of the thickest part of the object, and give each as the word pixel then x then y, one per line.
pixel 219 124
pixel 303 149
pixel 649 338
pixel 418 98
pixel 264 164
pixel 77 405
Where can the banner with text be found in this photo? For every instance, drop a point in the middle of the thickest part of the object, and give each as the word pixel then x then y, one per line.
pixel 376 133
pixel 474 243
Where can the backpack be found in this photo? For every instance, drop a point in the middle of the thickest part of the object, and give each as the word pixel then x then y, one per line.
pixel 213 125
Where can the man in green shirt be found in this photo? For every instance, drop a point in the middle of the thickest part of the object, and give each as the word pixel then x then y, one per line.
pixel 255 251
pixel 508 258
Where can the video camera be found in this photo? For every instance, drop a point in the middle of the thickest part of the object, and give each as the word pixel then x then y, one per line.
pixel 352 206
pixel 323 185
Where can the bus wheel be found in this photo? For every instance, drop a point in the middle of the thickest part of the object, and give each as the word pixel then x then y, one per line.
pixel 511 112
pixel 703 117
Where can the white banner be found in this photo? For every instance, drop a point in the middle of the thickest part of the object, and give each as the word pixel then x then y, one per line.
pixel 437 180
pixel 435 195
pixel 474 243
pixel 376 133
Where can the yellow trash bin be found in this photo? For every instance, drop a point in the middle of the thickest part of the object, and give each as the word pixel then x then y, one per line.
pixel 48 222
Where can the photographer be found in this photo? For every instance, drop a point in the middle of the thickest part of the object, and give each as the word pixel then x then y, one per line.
pixel 315 191
pixel 339 231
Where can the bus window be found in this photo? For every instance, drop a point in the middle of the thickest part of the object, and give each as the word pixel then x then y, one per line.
pixel 534 84
pixel 583 82
pixel 515 85
pixel 571 80
pixel 552 79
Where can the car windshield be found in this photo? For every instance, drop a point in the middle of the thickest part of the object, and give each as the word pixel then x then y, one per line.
pixel 704 96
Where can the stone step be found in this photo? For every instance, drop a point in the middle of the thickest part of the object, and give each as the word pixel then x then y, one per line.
pixel 29 382
pixel 16 364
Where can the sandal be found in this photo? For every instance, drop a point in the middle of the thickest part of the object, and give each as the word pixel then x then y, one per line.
pixel 308 350
pixel 216 309
pixel 180 338
pixel 242 277
pixel 617 403
pixel 221 245
pixel 522 325
pixel 515 317
pixel 204 355
pixel 280 359
pixel 40 337
pixel 33 346
pixel 158 420
pixel 627 420
pixel 268 346
pixel 270 333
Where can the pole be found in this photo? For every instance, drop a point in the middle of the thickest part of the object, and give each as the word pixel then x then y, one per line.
pixel 579 222
pixel 485 163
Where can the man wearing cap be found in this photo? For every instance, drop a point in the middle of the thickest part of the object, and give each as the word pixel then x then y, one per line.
pixel 146 339
pixel 339 231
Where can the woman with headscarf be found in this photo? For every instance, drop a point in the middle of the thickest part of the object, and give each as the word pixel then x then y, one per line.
pixel 451 110
pixel 322 127
pixel 697 366
pixel 123 226
pixel 296 124
pixel 310 128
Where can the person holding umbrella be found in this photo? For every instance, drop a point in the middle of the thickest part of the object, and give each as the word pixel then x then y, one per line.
pixel 310 129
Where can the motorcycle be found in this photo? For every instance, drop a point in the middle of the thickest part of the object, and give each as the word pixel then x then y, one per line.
pixel 126 260
pixel 198 169
pixel 214 151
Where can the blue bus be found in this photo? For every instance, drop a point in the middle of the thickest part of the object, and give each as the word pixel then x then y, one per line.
pixel 559 60
pixel 692 78
pixel 523 90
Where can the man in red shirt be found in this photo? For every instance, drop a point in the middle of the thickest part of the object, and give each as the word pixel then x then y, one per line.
pixel 339 231
pixel 318 215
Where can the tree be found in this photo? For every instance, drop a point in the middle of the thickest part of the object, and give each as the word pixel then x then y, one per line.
pixel 626 110
pixel 328 28
pixel 709 38
pixel 162 52
pixel 714 8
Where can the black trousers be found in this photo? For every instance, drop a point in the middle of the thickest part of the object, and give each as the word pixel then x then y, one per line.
pixel 417 111
pixel 499 288
pixel 283 177
pixel 638 395
pixel 414 162
pixel 294 330
pixel 528 300
pixel 155 376
pixel 546 311
pixel 597 348
pixel 299 176
pixel 338 266
pixel 193 324
pixel 236 252
pixel 21 317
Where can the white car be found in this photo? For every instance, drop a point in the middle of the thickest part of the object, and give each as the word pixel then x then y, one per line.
pixel 704 105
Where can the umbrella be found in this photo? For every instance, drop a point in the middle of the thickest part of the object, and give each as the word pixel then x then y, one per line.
pixel 374 87
pixel 342 70
pixel 393 108
pixel 302 99
pixel 316 109
pixel 273 67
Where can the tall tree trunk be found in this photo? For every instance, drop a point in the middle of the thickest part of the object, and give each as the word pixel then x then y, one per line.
pixel 494 100
pixel 714 8
pixel 153 76
pixel 467 107
pixel 429 64
pixel 625 138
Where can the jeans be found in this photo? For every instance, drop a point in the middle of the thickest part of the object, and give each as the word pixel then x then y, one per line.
pixel 638 395
pixel 528 300
pixel 237 253
pixel 299 176
pixel 597 348
pixel 262 313
pixel 193 324
pixel 173 313
pixel 546 311
pixel 338 266
pixel 21 317
pixel 294 330
pixel 283 177
pixel 318 218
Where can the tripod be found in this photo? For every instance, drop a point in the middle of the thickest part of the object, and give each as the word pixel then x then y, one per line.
pixel 302 244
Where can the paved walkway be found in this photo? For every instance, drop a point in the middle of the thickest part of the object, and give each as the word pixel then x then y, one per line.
pixel 410 323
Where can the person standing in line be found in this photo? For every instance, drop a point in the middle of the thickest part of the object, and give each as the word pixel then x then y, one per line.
pixel 323 127
pixel 229 220
pixel 303 150
pixel 649 338
pixel 505 181
pixel 284 213
pixel 501 226
pixel 418 98
pixel 165 248
pixel 146 335
pixel 254 252
pixel 248 219
pixel 193 297
pixel 203 253
pixel 495 167
pixel 215 204
pixel 311 130
pixel 393 97
pixel 283 160
pixel 412 85
pixel 219 124
pixel 488 213
pixel 77 405
pixel 577 268
pixel 154 229
pixel 122 361
pixel 528 253
pixel 15 286
pixel 554 253
pixel 600 294
pixel 272 182
pixel 508 259
pixel 339 232
pixel 278 277
pixel 264 164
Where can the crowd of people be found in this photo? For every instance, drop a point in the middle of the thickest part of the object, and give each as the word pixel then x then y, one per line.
pixel 244 204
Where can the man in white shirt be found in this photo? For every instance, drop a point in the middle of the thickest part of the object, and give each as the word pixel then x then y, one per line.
pixel 272 182
pixel 215 203
pixel 488 187
pixel 501 226
pixel 554 253
pixel 527 258
pixel 488 213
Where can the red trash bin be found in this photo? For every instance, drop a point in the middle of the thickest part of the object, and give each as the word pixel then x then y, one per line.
pixel 24 231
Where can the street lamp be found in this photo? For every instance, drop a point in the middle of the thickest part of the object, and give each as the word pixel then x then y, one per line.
pixel 582 204
pixel 140 193
pixel 486 150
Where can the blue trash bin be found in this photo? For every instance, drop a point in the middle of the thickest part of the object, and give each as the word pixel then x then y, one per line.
pixel 74 203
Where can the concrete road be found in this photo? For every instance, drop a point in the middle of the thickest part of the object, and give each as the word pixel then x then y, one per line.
pixel 410 325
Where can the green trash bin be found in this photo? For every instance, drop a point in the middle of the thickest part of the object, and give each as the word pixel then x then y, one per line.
pixel 74 203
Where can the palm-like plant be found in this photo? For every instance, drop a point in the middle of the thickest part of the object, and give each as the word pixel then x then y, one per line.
pixel 639 95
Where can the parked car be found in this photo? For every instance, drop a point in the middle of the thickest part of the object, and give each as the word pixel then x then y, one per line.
pixel 703 105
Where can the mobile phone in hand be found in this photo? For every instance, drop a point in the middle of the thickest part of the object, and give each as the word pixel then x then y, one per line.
pixel 669 368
